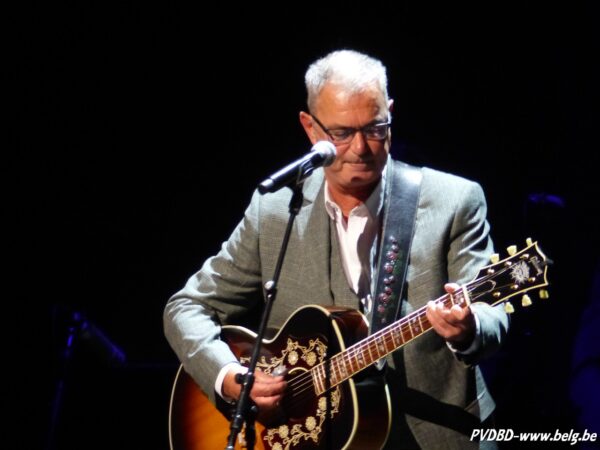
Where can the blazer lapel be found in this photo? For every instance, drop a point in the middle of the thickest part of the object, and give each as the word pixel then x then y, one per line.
pixel 323 255
pixel 313 221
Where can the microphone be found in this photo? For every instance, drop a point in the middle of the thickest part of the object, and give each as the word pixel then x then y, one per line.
pixel 322 154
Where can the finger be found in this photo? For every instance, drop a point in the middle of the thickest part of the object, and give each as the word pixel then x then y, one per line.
pixel 268 390
pixel 436 316
pixel 458 313
pixel 446 314
pixel 267 403
pixel 266 378
pixel 268 386
pixel 443 322
pixel 453 315
pixel 451 288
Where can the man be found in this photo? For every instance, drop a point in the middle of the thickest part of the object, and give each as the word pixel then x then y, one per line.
pixel 438 394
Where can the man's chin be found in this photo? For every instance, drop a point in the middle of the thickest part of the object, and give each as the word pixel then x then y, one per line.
pixel 353 178
pixel 362 170
pixel 361 167
pixel 362 179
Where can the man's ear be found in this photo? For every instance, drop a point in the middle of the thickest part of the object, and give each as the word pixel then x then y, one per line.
pixel 391 105
pixel 309 126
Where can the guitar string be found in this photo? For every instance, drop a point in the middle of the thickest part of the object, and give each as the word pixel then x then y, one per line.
pixel 304 382
pixel 341 360
pixel 385 338
pixel 373 338
pixel 301 393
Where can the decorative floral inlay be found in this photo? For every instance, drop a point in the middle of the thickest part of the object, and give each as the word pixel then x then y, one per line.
pixel 311 353
pixel 283 437
pixel 284 431
pixel 311 430
pixel 293 357
pixel 311 358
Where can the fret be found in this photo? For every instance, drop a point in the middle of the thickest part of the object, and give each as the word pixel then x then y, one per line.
pixel 350 355
pixel 370 354
pixel 406 332
pixel 381 350
pixel 360 357
pixel 340 372
pixel 318 379
pixel 466 300
pixel 337 371
pixel 334 375
pixel 344 367
pixel 415 328
pixel 389 343
pixel 374 347
pixel 425 324
pixel 420 316
pixel 397 336
pixel 408 325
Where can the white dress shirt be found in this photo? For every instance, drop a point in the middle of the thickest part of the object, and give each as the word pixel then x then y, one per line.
pixel 358 237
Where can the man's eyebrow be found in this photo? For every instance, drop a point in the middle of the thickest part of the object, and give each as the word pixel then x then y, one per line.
pixel 373 122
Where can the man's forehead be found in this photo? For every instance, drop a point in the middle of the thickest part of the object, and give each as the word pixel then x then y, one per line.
pixel 334 97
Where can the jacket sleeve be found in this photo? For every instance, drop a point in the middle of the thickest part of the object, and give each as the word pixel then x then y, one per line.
pixel 227 286
pixel 469 250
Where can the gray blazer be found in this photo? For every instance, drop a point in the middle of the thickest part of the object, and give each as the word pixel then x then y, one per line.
pixel 442 395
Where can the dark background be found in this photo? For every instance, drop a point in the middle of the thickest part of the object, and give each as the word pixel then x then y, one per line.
pixel 140 129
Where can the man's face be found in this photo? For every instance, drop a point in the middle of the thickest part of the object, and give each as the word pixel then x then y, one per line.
pixel 361 159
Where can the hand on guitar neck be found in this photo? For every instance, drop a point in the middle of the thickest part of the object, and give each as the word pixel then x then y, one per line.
pixel 266 393
pixel 456 324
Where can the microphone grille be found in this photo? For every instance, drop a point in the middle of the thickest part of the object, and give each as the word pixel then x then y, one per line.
pixel 327 150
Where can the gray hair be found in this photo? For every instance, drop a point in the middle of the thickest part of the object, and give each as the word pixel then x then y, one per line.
pixel 349 69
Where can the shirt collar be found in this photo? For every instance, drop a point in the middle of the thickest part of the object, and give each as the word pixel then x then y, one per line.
pixel 374 203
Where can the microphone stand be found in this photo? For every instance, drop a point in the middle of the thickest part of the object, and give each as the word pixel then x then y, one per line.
pixel 245 410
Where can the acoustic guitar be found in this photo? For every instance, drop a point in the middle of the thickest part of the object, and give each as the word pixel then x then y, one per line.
pixel 335 399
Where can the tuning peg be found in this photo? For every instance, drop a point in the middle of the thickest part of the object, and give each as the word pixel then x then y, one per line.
pixel 526 301
pixel 511 250
pixel 529 241
pixel 494 258
pixel 509 308
pixel 544 294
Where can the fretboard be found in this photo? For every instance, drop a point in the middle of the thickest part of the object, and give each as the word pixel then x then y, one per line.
pixel 376 346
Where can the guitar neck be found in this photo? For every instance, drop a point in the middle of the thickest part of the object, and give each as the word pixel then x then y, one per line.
pixel 361 355
pixel 496 283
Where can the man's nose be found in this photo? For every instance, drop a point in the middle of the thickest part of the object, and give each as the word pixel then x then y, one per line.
pixel 359 145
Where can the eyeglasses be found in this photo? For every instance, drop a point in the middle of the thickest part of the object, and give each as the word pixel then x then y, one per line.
pixel 376 131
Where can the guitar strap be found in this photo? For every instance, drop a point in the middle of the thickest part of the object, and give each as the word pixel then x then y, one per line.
pixel 401 195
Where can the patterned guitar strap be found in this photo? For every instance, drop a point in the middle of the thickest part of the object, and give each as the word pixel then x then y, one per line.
pixel 402 195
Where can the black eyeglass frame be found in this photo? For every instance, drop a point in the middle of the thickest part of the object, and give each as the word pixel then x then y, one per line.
pixel 367 131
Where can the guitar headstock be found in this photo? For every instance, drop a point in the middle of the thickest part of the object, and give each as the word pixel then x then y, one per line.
pixel 520 272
